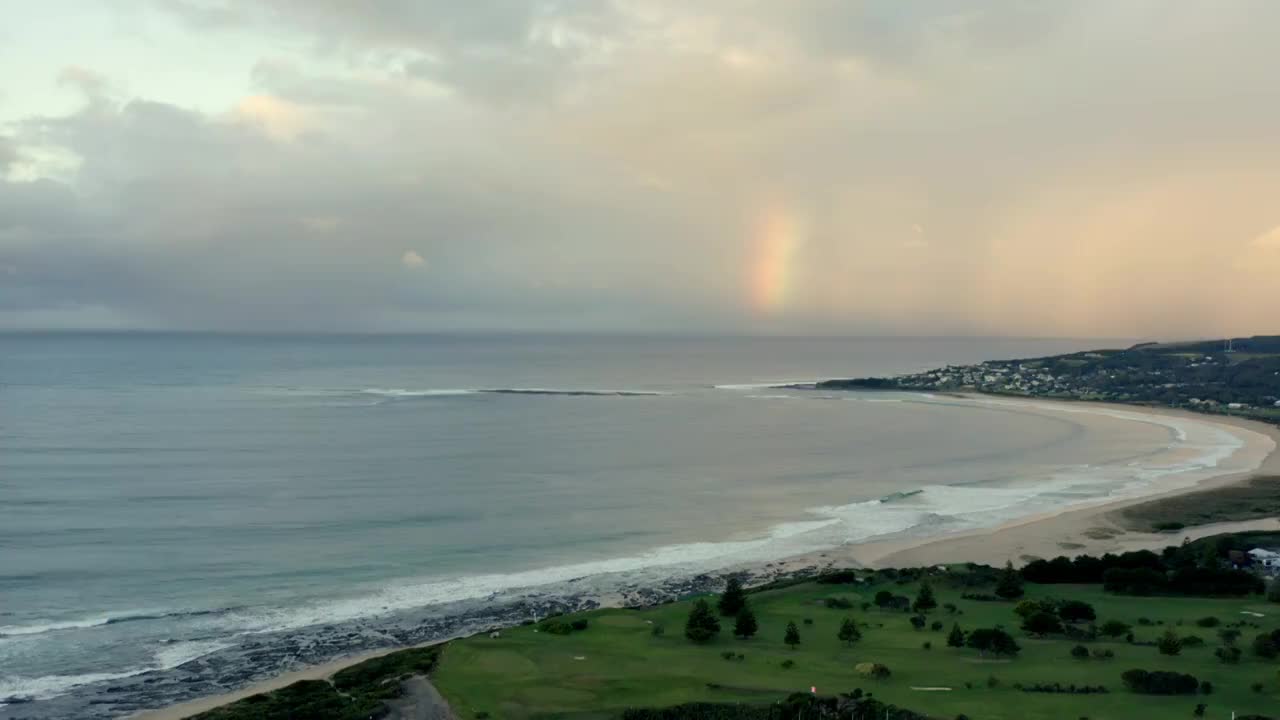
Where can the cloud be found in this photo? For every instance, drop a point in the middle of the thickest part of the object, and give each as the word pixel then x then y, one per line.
pixel 412 260
pixel 616 156
pixel 1269 240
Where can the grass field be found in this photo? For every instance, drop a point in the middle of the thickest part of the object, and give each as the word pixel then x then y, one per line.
pixel 618 662
pixel 1257 498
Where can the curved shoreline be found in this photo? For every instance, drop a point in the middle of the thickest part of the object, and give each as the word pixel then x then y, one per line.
pixel 1043 534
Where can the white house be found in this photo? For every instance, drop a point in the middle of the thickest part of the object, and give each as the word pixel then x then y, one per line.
pixel 1265 558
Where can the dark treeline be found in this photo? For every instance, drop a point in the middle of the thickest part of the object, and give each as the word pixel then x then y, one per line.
pixel 1192 570
pixel 798 706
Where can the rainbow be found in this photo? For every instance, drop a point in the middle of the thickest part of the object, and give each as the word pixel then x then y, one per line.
pixel 776 237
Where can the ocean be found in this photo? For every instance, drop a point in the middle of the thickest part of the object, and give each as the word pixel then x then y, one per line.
pixel 181 514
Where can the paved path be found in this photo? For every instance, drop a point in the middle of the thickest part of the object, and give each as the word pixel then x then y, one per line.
pixel 421 701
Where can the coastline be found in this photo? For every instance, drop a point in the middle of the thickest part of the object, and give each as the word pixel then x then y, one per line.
pixel 1091 529
pixel 1072 530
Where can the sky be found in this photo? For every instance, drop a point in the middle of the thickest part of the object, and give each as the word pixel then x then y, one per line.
pixel 1095 168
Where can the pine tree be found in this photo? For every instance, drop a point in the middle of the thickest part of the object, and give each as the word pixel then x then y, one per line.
pixel 744 626
pixel 793 635
pixel 925 601
pixel 956 638
pixel 702 625
pixel 1009 586
pixel 849 633
pixel 733 598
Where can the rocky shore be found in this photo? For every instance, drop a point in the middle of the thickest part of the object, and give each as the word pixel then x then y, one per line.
pixel 262 656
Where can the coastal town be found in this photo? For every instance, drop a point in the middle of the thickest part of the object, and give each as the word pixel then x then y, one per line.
pixel 1238 376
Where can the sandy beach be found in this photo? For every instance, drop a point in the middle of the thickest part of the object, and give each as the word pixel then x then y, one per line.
pixel 1091 529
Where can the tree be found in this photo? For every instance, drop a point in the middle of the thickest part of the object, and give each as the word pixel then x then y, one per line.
pixel 744 626
pixel 1169 643
pixel 884 599
pixel 1074 611
pixel 925 601
pixel 1266 647
pixel 1228 655
pixel 1114 628
pixel 849 633
pixel 955 638
pixel 792 637
pixel 993 640
pixel 1080 652
pixel 1027 608
pixel 918 622
pixel 1042 623
pixel 702 624
pixel 1009 585
pixel 733 598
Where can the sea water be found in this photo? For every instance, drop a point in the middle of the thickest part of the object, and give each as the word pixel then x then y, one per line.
pixel 176 506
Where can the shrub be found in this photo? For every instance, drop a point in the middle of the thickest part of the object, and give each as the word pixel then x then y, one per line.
pixel 1208 622
pixel 1190 641
pixel 1114 628
pixel 579 624
pixel 1267 645
pixel 980 597
pixel 951 607
pixel 1160 682
pixel 1256 687
pixel 728 654
pixel 993 681
pixel 556 627
pixel 872 670
pixel 927 645
pixel 808 621
pixel 918 622
pixel 838 603
pixel 658 631
pixel 1169 643
pixel 956 637
pixel 1228 655
pixel 1199 711
pixel 1229 636
pixel 1206 687
pixel 1080 652
pixel 788 664
pixel 1103 654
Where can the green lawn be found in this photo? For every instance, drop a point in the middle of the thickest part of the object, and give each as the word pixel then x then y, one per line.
pixel 617 662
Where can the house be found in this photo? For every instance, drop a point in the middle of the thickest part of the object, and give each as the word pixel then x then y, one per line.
pixel 1235 406
pixel 1265 558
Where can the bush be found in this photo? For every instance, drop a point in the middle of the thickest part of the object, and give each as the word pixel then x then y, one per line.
pixel 579 624
pixel 992 640
pixel 838 603
pixel 1206 687
pixel 1114 628
pixel 788 664
pixel 1080 652
pixel 808 621
pixel 728 654
pixel 1267 645
pixel 1208 622
pixel 1064 689
pixel 1256 687
pixel 1190 641
pixel 1160 682
pixel 1103 654
pixel 1169 643
pixel 926 645
pixel 1228 655
pixel 556 627
pixel 993 681
pixel 872 670
pixel 658 631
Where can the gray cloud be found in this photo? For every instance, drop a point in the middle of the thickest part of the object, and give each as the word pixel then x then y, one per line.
pixel 817 166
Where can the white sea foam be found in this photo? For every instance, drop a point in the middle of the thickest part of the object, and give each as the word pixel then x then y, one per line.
pixel 52 626
pixel 51 686
pixel 175 654
pixel 403 393
pixel 775 385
